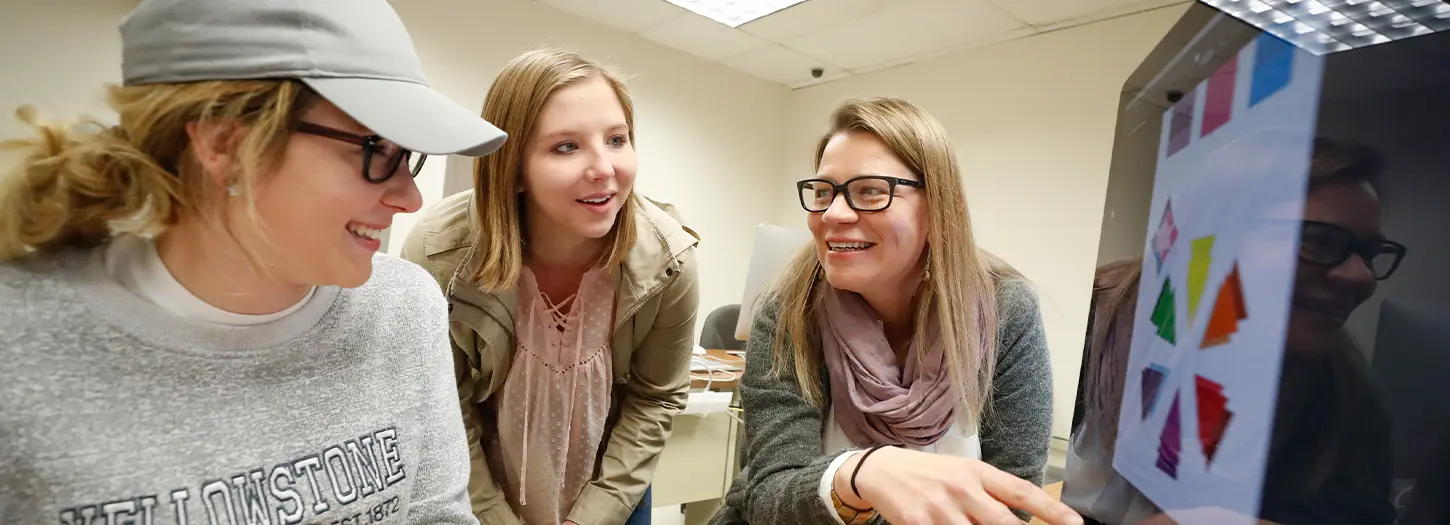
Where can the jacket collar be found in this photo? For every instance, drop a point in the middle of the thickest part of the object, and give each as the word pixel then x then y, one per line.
pixel 651 264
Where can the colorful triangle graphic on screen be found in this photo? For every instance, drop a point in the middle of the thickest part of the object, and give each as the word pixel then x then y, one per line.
pixel 1165 237
pixel 1153 375
pixel 1198 267
pixel 1170 442
pixel 1213 416
pixel 1164 316
pixel 1228 310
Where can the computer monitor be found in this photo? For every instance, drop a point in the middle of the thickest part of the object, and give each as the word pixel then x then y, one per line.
pixel 774 247
pixel 1268 337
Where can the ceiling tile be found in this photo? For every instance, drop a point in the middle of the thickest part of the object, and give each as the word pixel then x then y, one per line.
pixel 783 66
pixel 702 37
pixel 812 15
pixel 904 30
pixel 1058 12
pixel 630 15
pixel 1015 34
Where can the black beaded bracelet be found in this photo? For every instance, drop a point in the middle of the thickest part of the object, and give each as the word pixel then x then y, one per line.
pixel 862 461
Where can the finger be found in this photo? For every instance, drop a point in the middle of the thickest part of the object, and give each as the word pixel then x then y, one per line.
pixel 1023 495
pixel 984 509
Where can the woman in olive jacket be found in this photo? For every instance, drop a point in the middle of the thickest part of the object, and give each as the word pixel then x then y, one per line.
pixel 572 302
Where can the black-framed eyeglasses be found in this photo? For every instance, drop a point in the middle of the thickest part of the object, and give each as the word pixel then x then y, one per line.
pixel 1330 245
pixel 381 157
pixel 864 193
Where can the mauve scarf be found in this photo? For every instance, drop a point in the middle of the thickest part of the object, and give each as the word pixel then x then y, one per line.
pixel 877 402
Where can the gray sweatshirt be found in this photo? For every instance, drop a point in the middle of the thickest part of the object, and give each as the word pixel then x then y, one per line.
pixel 784 456
pixel 113 411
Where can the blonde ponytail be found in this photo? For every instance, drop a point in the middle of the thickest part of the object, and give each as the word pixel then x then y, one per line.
pixel 72 185
pixel 79 185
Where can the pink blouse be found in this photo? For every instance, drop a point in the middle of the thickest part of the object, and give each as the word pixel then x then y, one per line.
pixel 552 411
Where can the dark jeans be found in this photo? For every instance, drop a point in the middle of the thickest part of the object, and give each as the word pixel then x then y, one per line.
pixel 641 514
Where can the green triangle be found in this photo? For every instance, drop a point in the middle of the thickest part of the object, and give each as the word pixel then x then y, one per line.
pixel 1164 316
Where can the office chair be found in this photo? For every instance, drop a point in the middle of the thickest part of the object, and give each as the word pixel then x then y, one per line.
pixel 719 331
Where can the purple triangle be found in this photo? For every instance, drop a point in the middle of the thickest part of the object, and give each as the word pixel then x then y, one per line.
pixel 1152 381
pixel 1170 442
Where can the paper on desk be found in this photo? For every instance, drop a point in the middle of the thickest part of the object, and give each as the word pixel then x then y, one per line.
pixel 707 402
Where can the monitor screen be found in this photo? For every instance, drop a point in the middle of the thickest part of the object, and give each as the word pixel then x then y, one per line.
pixel 1269 334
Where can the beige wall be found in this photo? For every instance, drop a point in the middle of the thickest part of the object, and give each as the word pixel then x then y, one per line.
pixel 56 56
pixel 1032 121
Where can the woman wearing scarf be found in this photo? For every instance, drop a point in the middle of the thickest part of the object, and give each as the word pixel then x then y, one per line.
pixel 895 372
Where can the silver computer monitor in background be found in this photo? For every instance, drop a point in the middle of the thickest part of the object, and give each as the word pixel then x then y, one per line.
pixel 774 247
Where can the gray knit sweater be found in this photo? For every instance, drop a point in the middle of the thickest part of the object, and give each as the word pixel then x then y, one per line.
pixel 112 410
pixel 784 457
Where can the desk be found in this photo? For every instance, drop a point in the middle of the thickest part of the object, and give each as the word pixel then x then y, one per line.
pixel 698 464
pixel 722 375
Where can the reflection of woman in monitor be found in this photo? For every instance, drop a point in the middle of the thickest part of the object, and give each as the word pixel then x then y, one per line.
pixel 1091 486
pixel 1329 457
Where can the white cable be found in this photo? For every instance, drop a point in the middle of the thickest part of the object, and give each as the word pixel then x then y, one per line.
pixel 709 371
pixel 710 381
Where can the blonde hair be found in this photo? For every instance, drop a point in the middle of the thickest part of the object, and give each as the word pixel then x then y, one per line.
pixel 80 185
pixel 961 288
pixel 513 104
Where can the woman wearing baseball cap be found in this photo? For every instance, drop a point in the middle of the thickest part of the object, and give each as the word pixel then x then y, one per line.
pixel 198 328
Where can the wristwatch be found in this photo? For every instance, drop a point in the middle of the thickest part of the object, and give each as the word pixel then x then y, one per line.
pixel 849 514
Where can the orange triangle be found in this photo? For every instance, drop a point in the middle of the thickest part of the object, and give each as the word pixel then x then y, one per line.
pixel 1228 310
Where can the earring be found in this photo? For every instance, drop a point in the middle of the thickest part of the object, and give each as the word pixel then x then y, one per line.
pixel 926 270
pixel 233 190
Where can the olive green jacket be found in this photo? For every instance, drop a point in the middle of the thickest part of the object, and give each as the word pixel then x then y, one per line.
pixel 656 301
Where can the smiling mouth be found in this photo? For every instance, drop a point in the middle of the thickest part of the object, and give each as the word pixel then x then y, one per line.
pixel 596 201
pixel 841 247
pixel 365 232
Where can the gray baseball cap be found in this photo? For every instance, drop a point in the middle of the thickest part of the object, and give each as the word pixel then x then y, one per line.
pixel 355 53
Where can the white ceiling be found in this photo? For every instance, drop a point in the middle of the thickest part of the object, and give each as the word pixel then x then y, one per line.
pixel 847 37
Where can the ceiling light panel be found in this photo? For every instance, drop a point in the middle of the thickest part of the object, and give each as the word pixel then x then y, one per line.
pixel 1328 26
pixel 734 13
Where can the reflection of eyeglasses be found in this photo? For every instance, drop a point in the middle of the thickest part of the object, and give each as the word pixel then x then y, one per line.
pixel 381 158
pixel 864 193
pixel 1329 245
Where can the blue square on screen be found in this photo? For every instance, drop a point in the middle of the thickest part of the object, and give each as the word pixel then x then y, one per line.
pixel 1273 68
